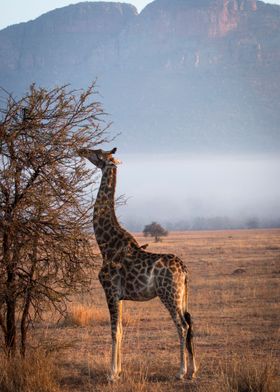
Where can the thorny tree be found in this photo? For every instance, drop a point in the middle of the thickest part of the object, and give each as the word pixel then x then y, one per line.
pixel 45 203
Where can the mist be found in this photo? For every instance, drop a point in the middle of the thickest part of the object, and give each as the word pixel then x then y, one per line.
pixel 199 192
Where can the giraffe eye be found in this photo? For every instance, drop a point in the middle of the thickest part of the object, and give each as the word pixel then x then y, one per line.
pixel 99 157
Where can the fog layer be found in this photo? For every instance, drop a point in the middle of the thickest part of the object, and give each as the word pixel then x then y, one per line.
pixel 184 192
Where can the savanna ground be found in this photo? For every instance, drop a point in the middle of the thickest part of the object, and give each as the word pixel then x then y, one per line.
pixel 234 300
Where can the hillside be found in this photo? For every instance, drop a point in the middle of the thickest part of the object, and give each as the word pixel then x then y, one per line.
pixel 181 75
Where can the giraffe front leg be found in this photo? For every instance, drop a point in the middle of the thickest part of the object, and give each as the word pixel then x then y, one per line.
pixel 119 340
pixel 115 309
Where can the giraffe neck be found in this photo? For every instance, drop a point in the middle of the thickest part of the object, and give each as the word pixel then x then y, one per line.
pixel 104 207
pixel 112 239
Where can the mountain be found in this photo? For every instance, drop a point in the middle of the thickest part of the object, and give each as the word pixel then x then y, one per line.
pixel 183 75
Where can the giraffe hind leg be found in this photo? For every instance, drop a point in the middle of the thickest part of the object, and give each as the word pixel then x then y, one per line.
pixel 181 326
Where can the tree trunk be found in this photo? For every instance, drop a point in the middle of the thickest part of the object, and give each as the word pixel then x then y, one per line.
pixel 10 299
pixel 28 296
pixel 10 338
pixel 3 325
pixel 24 326
pixel 11 311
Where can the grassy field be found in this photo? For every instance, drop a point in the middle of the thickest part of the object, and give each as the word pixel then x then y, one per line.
pixel 234 300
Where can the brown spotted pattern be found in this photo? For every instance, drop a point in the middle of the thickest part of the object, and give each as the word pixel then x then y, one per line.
pixel 131 273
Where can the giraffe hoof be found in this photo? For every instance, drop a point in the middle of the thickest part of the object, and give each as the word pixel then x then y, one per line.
pixel 113 377
pixel 191 375
pixel 180 376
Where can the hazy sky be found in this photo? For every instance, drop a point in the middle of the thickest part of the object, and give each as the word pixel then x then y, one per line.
pixel 16 11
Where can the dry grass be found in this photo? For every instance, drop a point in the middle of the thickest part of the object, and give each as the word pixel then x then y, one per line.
pixel 82 315
pixel 248 375
pixel 245 374
pixel 234 314
pixel 36 373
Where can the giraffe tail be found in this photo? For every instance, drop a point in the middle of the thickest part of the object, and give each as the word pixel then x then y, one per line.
pixel 187 315
pixel 188 319
pixel 186 298
pixel 189 322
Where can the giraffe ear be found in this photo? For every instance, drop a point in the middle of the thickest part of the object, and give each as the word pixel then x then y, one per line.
pixel 114 150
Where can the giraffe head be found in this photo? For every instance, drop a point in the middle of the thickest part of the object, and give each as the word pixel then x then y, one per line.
pixel 100 158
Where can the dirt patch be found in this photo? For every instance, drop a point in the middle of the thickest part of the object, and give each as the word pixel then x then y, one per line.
pixel 239 271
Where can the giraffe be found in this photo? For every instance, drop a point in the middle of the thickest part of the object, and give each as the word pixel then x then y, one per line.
pixel 129 272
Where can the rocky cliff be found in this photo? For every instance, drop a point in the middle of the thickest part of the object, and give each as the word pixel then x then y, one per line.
pixel 48 48
pixel 182 74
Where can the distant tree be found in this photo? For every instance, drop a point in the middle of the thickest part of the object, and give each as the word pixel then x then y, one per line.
pixel 155 230
pixel 45 203
pixel 253 223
